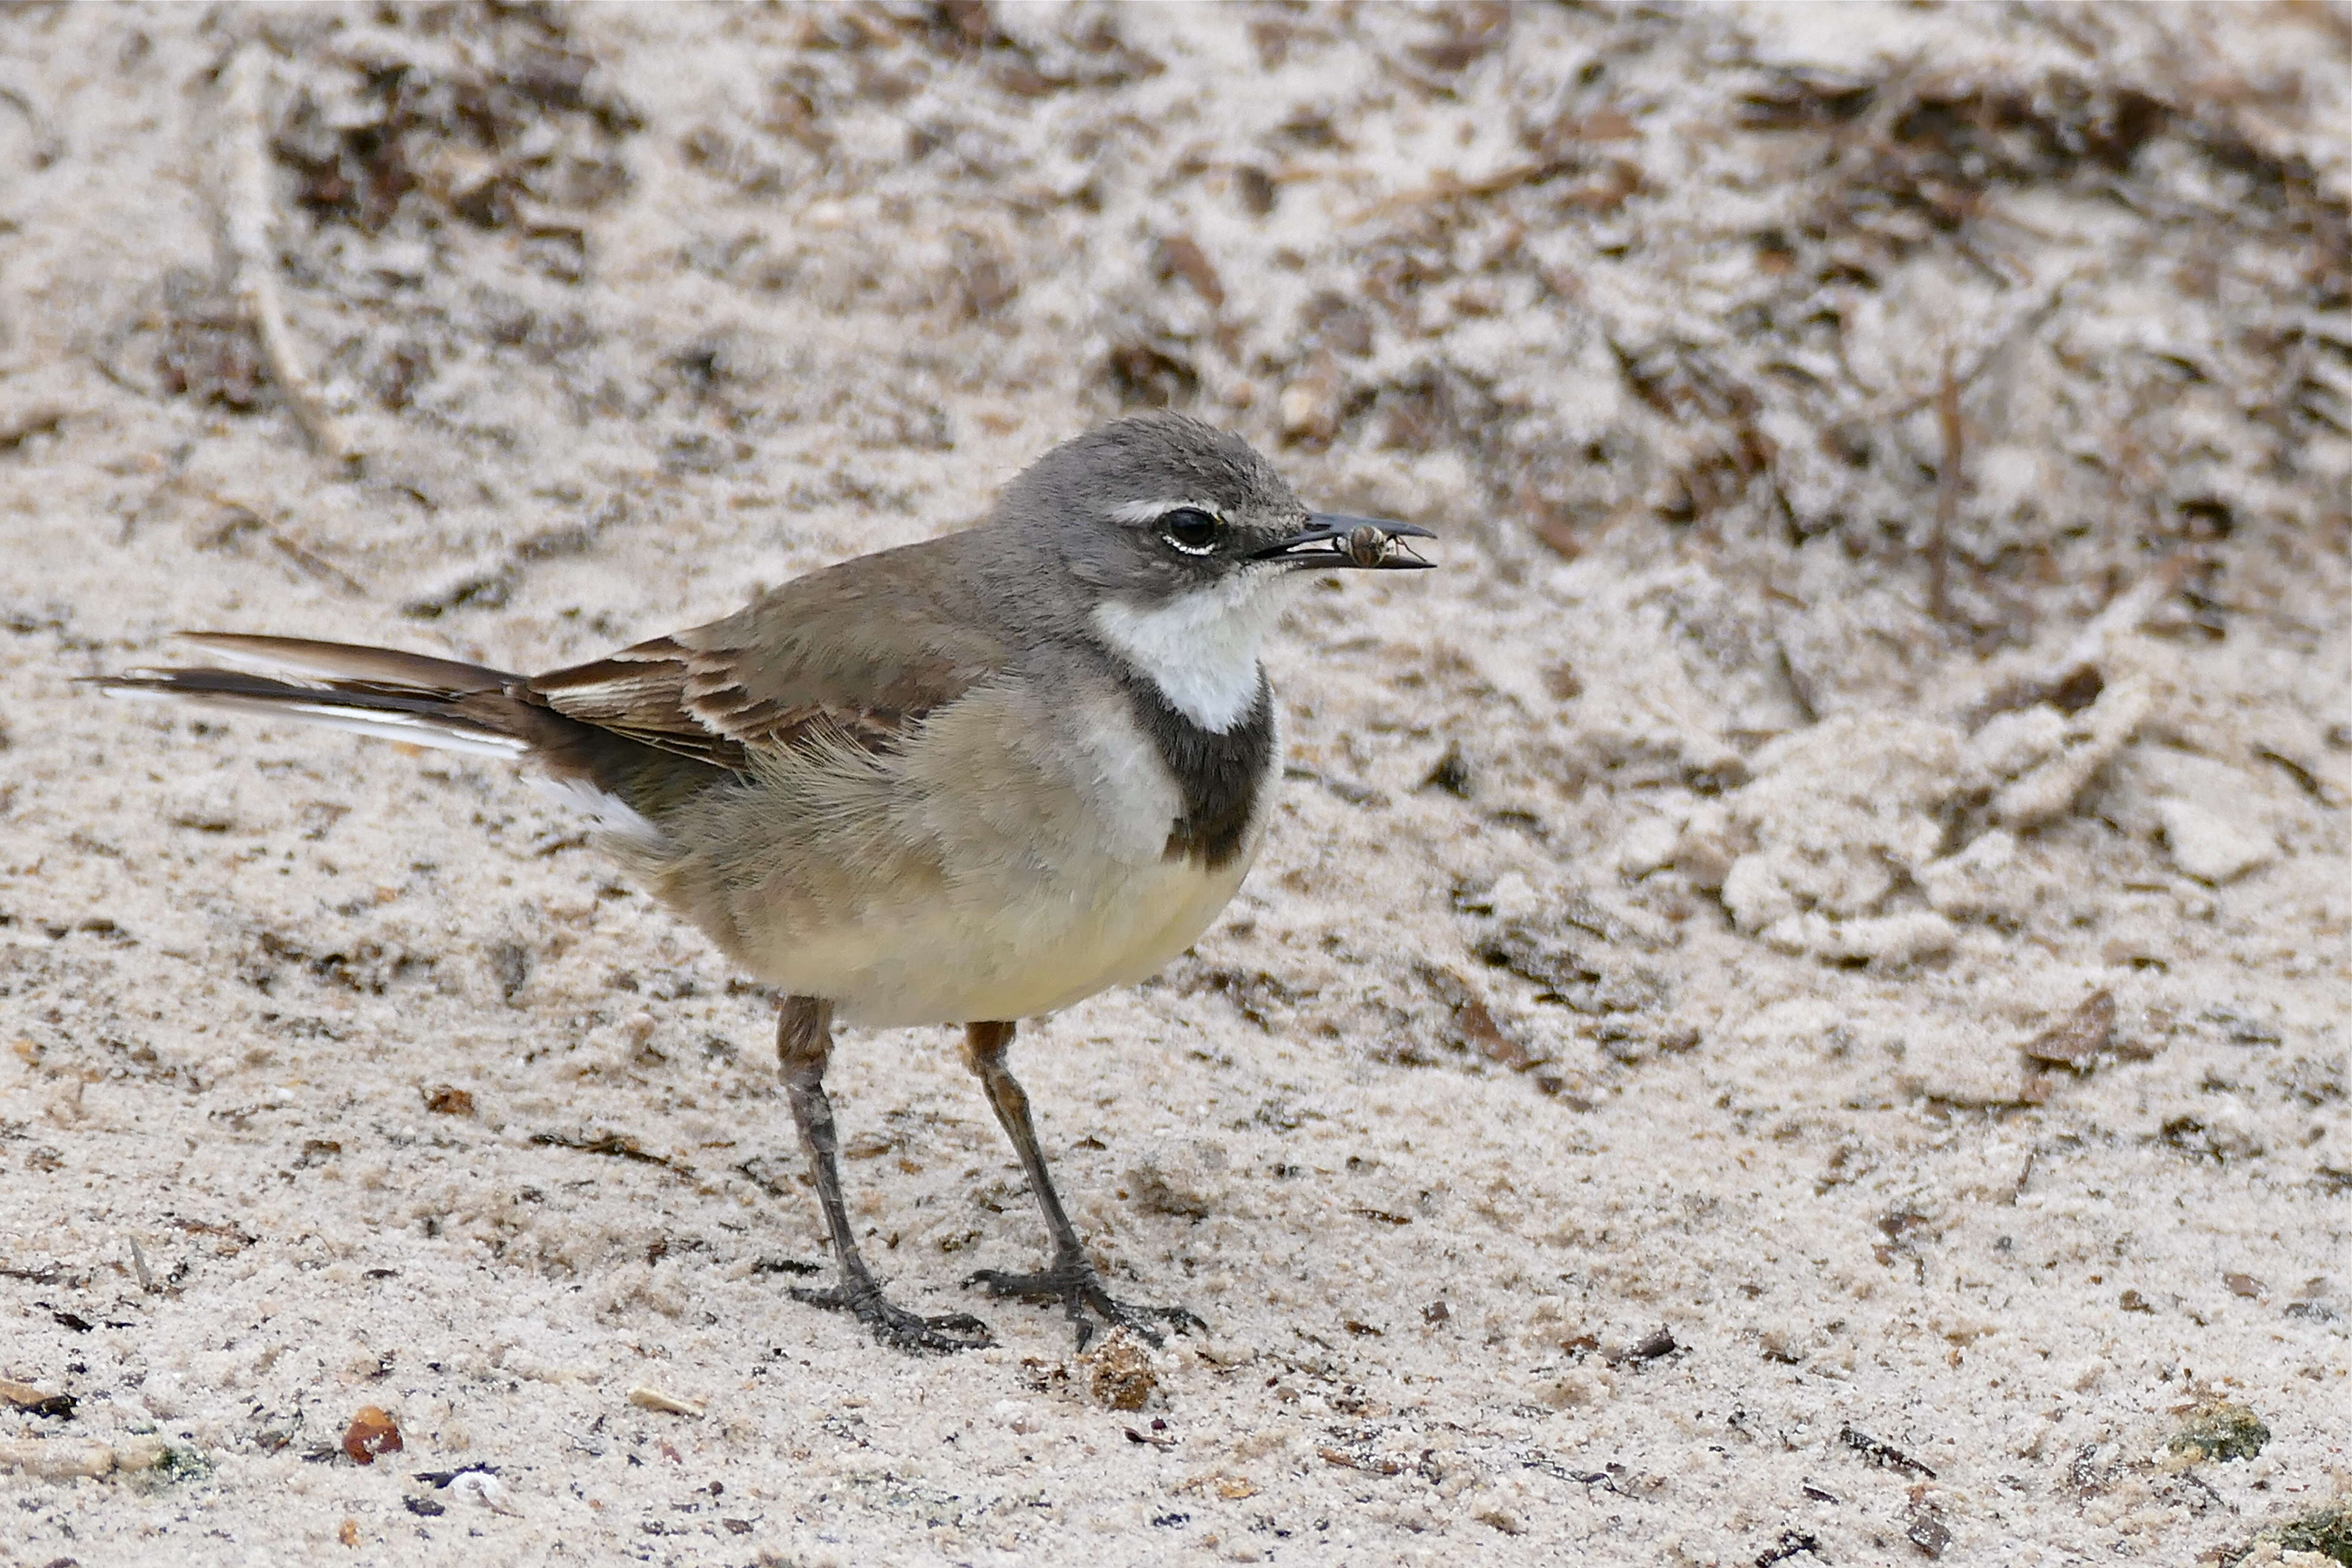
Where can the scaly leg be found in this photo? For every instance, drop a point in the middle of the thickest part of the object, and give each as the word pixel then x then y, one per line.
pixel 1069 1277
pixel 804 1044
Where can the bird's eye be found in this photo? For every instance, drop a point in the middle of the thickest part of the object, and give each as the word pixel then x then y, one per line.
pixel 1189 529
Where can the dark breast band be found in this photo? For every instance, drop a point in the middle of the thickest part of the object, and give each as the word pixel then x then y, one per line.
pixel 1217 776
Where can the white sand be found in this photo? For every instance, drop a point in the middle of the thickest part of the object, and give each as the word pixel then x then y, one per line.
pixel 1777 902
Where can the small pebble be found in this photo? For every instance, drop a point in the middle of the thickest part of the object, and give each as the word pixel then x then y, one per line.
pixel 372 1432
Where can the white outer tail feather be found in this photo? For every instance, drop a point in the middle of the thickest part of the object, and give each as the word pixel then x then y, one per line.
pixel 412 728
pixel 307 668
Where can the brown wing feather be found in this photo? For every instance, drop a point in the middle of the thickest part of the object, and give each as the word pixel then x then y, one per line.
pixel 637 693
pixel 858 652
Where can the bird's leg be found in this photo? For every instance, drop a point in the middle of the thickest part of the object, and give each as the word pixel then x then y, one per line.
pixel 804 1044
pixel 1069 1277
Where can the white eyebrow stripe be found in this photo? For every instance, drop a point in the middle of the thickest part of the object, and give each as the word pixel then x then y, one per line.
pixel 1152 511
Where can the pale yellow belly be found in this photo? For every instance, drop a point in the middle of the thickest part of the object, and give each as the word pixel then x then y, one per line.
pixel 1006 862
pixel 1034 952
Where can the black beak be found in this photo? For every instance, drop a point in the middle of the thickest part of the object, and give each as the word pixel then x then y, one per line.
pixel 1330 540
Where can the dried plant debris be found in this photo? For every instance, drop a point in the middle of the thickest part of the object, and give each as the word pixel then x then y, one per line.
pixel 23 427
pixel 2325 1531
pixel 646 1397
pixel 614 1145
pixel 1880 1452
pixel 1576 951
pixel 2221 1138
pixel 490 118
pixel 1118 1372
pixel 1806 418
pixel 393 134
pixel 1472 1026
pixel 23 1396
pixel 55 1458
pixel 1650 1347
pixel 2076 1041
pixel 206 350
pixel 1919 153
pixel 2219 1430
pixel 1792 1543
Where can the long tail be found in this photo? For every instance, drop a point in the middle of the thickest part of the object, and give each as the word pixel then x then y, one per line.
pixel 397 696
pixel 626 786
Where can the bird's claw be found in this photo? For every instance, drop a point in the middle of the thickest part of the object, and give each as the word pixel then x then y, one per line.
pixel 894 1325
pixel 1075 1284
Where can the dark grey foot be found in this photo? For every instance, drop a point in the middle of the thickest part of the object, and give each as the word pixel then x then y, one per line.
pixel 894 1325
pixel 1074 1282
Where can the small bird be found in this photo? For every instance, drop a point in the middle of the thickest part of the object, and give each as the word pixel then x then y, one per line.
pixel 969 780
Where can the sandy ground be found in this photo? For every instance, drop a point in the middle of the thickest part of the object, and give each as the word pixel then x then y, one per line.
pixel 1794 1008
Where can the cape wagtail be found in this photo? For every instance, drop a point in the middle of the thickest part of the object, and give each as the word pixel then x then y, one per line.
pixel 967 780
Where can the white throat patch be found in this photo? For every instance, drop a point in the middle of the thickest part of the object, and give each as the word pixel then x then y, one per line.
pixel 1201 648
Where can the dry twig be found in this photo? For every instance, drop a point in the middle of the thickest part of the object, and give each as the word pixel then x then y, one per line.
pixel 2089 650
pixel 244 519
pixel 49 146
pixel 1947 491
pixel 257 258
pixel 41 419
pixel 139 1261
pixel 1604 193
